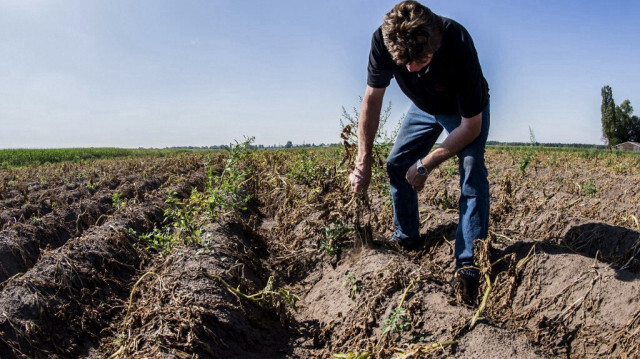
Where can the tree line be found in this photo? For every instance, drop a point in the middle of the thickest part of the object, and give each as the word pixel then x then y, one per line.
pixel 618 123
pixel 289 144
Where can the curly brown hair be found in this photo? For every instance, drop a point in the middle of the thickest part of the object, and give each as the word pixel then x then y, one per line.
pixel 411 31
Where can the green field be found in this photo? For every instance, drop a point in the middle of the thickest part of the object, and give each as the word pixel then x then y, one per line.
pixel 34 157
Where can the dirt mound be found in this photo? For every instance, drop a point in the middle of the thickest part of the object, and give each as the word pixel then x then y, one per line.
pixel 191 303
pixel 572 304
pixel 613 244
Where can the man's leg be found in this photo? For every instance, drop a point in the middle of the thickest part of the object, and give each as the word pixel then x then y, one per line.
pixel 418 132
pixel 474 191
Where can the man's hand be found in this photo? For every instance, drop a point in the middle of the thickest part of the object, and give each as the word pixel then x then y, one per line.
pixel 415 179
pixel 360 178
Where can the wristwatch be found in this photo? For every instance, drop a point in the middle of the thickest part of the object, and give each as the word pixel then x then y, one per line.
pixel 422 170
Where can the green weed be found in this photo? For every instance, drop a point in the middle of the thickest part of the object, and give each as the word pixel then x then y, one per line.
pixel 355 285
pixel 333 236
pixel 450 167
pixel 117 200
pixel 160 239
pixel 308 170
pixel 90 185
pixel 397 322
pixel 183 215
pixel 589 187
pixel 224 194
pixel 525 161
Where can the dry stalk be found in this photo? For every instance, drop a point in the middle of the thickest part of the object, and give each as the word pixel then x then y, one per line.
pixel 486 268
pixel 124 321
pixel 133 290
pixel 423 349
pixel 406 290
pixel 402 299
pixel 358 329
pixel 483 304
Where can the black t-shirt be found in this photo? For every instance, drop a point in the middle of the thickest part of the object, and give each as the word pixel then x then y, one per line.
pixel 452 83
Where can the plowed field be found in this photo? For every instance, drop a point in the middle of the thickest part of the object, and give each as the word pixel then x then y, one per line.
pixel 266 254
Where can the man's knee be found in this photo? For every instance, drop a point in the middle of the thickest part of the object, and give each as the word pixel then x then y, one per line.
pixel 392 166
pixel 397 166
pixel 473 176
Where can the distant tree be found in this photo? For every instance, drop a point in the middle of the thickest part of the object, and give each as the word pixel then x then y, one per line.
pixel 610 126
pixel 618 123
pixel 634 133
pixel 629 125
pixel 623 115
pixel 289 144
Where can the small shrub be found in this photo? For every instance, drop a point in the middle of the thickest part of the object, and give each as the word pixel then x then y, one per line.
pixel 224 192
pixel 183 216
pixel 524 161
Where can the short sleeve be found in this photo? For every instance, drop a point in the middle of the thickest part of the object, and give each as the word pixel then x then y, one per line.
pixel 380 68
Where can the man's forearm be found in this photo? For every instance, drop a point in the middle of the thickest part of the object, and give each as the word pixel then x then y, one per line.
pixel 458 139
pixel 368 123
pixel 367 128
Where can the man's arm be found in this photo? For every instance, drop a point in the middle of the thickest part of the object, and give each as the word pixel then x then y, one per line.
pixel 367 128
pixel 458 139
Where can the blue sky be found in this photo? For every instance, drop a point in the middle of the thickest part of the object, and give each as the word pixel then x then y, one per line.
pixel 156 73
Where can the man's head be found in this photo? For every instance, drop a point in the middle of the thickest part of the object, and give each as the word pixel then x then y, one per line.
pixel 412 33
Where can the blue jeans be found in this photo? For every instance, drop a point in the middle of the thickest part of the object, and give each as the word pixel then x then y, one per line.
pixel 417 135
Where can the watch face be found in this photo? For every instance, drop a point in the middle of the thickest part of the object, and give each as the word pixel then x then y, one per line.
pixel 422 171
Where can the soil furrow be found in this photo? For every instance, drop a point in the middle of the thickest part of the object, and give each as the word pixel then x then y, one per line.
pixel 60 306
pixel 20 245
